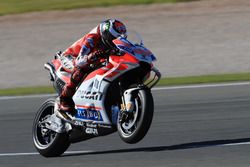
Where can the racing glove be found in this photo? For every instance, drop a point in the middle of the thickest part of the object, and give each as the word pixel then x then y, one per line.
pixel 99 54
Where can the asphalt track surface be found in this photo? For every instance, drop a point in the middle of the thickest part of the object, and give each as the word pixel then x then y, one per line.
pixel 206 126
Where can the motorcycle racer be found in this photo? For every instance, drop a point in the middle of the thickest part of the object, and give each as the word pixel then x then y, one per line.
pixel 115 96
pixel 88 52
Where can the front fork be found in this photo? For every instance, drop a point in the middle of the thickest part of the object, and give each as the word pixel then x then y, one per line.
pixel 127 100
pixel 128 103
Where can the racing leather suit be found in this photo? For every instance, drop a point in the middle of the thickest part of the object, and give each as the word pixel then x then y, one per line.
pixel 87 50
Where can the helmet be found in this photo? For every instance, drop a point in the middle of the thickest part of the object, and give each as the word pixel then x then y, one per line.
pixel 110 30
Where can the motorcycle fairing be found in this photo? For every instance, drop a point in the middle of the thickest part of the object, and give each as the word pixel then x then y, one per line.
pixel 139 51
pixel 117 66
pixel 90 103
pixel 90 96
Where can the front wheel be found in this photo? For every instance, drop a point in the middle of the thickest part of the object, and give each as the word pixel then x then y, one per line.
pixel 47 142
pixel 136 126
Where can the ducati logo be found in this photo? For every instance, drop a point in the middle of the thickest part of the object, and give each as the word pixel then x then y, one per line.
pixel 90 95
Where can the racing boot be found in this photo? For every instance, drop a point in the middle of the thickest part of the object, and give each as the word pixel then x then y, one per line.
pixel 66 105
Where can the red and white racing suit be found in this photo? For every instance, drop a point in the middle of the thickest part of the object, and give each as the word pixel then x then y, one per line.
pixel 87 50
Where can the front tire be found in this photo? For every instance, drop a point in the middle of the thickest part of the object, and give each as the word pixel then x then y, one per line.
pixel 47 142
pixel 136 127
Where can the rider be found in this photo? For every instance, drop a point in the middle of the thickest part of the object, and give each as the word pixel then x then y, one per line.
pixel 89 50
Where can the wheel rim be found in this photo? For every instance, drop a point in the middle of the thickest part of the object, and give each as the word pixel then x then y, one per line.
pixel 129 126
pixel 43 137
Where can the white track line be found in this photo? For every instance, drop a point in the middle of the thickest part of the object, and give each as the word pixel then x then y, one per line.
pixel 86 152
pixel 154 89
pixel 36 153
pixel 237 144
pixel 202 86
pixel 26 96
pixel 18 154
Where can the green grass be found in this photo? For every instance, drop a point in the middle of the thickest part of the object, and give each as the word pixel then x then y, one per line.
pixel 163 82
pixel 27 91
pixel 22 6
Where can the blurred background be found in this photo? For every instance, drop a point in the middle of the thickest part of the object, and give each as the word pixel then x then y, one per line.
pixel 188 38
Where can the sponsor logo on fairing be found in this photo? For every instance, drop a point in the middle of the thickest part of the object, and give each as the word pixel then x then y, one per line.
pixel 91 131
pixel 79 123
pixel 89 125
pixel 89 114
pixel 90 95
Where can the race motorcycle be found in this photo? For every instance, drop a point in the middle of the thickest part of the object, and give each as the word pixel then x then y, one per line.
pixel 114 97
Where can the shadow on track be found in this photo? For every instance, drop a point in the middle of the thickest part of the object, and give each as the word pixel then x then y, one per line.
pixel 166 148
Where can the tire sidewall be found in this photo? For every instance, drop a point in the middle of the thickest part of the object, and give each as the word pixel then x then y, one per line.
pixel 59 144
pixel 144 120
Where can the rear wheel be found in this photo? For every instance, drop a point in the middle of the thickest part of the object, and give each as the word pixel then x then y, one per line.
pixel 47 142
pixel 137 123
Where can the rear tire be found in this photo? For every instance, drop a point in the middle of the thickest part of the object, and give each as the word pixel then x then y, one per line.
pixel 136 128
pixel 47 142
